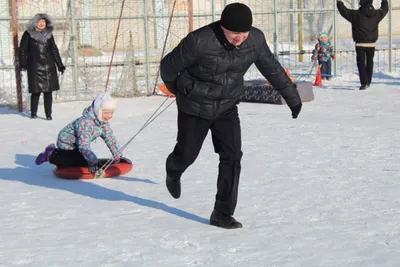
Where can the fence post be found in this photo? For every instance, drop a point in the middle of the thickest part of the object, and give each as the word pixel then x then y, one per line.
pixel 300 28
pixel 213 10
pixel 390 37
pixel 17 69
pixel 334 38
pixel 190 14
pixel 72 47
pixel 276 28
pixel 146 45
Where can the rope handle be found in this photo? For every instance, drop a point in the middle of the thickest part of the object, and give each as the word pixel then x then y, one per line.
pixel 147 123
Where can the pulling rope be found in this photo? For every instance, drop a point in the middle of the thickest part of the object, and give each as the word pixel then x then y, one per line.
pixel 100 172
pixel 115 44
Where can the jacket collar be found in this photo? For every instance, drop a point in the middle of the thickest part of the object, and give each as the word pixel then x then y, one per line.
pixel 219 33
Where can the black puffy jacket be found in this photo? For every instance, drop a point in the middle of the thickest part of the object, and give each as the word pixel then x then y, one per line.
pixel 205 71
pixel 364 21
pixel 38 53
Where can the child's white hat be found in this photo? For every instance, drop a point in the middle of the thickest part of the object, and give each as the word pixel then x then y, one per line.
pixel 103 101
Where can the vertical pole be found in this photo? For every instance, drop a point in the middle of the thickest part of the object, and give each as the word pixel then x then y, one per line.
pixel 14 18
pixel 390 38
pixel 115 45
pixel 335 43
pixel 213 10
pixel 146 44
pixel 291 18
pixel 276 28
pixel 86 27
pixel 72 47
pixel 190 14
pixel 300 28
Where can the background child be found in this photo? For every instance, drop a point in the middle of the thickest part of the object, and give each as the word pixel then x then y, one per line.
pixel 73 143
pixel 323 52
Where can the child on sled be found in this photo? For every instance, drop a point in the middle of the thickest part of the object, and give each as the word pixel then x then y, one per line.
pixel 73 142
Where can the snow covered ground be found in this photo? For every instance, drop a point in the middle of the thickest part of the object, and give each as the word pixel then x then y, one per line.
pixel 322 190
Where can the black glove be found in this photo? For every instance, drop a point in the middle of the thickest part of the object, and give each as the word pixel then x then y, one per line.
pixel 61 69
pixel 22 67
pixel 296 110
pixel 94 168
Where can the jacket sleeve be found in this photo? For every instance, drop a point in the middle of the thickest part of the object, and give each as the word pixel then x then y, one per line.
pixel 384 9
pixel 332 51
pixel 315 52
pixel 83 142
pixel 56 53
pixel 180 58
pixel 344 11
pixel 110 140
pixel 23 49
pixel 272 70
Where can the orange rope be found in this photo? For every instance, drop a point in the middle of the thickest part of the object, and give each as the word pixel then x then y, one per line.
pixel 115 44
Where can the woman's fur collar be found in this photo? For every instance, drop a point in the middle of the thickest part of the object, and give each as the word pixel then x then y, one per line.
pixel 47 32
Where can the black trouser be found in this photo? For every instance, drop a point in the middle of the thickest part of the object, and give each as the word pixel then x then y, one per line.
pixel 226 137
pixel 326 69
pixel 48 102
pixel 68 158
pixel 365 63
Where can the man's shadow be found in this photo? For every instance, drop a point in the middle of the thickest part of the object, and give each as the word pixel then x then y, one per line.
pixel 44 177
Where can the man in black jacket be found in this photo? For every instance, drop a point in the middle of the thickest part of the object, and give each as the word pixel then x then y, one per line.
pixel 205 72
pixel 364 23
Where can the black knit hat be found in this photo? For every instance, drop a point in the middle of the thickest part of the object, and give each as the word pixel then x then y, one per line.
pixel 366 3
pixel 237 17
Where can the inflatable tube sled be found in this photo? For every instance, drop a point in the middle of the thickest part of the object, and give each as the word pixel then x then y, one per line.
pixel 120 168
pixel 258 91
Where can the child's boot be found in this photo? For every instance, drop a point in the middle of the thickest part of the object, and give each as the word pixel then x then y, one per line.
pixel 45 155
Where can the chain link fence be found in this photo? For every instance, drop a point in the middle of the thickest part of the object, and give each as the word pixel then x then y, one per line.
pixel 85 32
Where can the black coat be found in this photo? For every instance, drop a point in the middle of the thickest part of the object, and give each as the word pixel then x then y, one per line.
pixel 40 60
pixel 364 21
pixel 205 71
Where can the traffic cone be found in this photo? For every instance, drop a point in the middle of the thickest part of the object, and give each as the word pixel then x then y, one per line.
pixel 318 78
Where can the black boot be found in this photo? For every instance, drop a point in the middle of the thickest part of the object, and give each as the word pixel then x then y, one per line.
pixel 48 117
pixel 224 221
pixel 33 115
pixel 174 186
pixel 363 87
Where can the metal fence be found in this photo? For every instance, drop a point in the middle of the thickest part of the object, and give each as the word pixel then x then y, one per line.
pixel 85 31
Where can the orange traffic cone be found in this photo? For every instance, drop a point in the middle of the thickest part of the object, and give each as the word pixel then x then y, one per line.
pixel 318 78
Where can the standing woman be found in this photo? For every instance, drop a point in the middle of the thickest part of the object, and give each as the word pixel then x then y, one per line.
pixel 39 55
